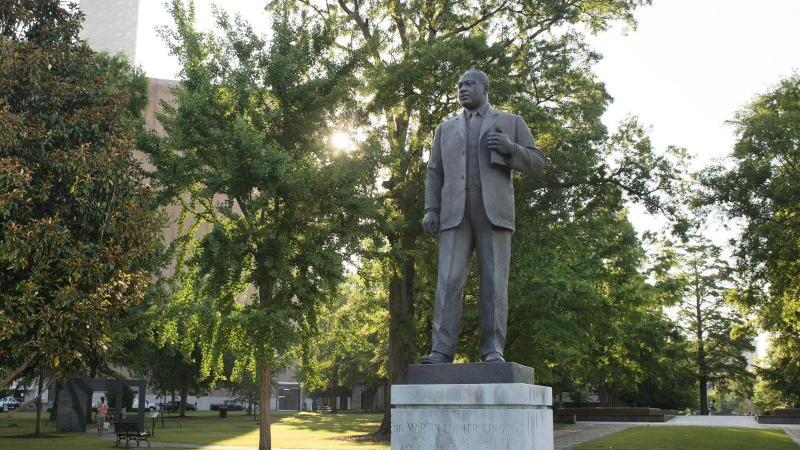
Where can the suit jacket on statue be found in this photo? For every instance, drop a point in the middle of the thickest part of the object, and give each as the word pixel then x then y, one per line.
pixel 445 186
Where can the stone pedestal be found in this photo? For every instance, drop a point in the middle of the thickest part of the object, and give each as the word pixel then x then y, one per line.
pixel 491 415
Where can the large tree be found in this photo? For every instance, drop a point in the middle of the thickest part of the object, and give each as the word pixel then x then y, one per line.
pixel 539 66
pixel 757 187
pixel 246 154
pixel 719 334
pixel 79 226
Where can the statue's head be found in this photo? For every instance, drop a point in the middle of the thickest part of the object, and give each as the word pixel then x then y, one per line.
pixel 473 89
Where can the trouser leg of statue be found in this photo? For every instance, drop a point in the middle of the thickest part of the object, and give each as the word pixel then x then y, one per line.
pixel 456 245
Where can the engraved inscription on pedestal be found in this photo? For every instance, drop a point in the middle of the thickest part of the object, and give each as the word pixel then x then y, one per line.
pixel 416 435
pixel 472 416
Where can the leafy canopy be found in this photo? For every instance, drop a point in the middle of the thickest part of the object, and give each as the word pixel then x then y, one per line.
pixel 79 227
pixel 270 211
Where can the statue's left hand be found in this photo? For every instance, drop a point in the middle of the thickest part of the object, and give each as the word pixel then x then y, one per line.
pixel 499 142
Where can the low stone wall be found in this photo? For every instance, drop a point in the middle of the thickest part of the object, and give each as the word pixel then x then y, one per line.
pixel 781 416
pixel 613 414
pixel 778 420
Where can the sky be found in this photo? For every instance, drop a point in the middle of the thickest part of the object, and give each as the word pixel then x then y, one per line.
pixel 689 66
pixel 684 71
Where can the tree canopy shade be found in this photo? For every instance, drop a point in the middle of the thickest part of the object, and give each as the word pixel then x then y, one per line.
pixel 79 226
pixel 245 153
pixel 758 187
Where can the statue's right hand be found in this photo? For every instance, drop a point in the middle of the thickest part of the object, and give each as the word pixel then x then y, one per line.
pixel 430 223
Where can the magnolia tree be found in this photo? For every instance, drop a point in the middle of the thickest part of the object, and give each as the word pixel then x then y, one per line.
pixel 79 226
pixel 79 223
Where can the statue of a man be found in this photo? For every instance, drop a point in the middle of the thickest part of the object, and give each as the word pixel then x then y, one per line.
pixel 469 201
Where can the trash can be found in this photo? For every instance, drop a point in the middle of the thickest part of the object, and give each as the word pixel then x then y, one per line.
pixel 223 413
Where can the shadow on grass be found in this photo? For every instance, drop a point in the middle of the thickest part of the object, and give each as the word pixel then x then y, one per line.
pixel 370 438
pixel 338 423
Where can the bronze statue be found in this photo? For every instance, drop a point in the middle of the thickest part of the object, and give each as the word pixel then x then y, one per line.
pixel 469 201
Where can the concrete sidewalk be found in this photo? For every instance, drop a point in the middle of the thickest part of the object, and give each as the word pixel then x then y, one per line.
pixel 568 436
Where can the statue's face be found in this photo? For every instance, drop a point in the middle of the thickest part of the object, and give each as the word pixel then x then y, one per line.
pixel 471 93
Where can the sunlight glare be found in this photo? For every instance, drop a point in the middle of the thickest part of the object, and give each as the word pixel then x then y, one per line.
pixel 341 140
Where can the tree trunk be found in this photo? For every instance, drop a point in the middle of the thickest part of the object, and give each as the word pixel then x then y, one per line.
pixel 264 436
pixel 39 404
pixel 702 371
pixel 368 398
pixel 54 406
pixel 703 396
pixel 265 288
pixel 401 336
pixel 184 399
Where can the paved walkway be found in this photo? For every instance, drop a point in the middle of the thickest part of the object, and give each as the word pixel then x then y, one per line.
pixel 793 433
pixel 717 421
pixel 568 436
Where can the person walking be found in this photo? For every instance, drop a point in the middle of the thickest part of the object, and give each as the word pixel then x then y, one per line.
pixel 102 413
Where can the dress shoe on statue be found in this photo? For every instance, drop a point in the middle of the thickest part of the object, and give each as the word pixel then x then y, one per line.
pixel 493 357
pixel 436 358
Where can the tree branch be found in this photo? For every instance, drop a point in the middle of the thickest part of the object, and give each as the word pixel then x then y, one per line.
pixel 18 371
pixel 486 16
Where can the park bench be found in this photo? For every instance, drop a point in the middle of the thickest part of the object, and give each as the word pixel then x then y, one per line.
pixel 130 431
pixel 324 409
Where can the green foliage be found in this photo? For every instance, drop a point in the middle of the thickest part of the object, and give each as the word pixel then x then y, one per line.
pixel 168 368
pixel 700 283
pixel 758 188
pixel 79 229
pixel 765 398
pixel 266 202
pixel 576 264
pixel 539 67
pixel 781 371
pixel 350 347
pixel 44 22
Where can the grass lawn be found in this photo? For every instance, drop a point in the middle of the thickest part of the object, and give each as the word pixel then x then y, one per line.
pixel 692 438
pixel 301 430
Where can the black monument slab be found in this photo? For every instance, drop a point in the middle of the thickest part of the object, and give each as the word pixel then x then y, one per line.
pixel 470 373
pixel 74 397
